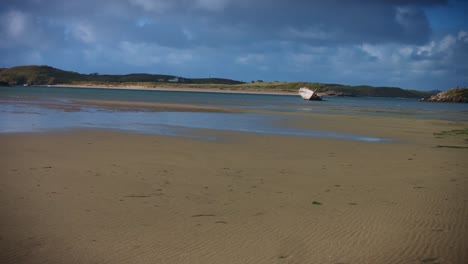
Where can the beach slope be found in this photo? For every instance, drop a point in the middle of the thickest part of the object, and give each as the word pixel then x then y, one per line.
pixel 107 197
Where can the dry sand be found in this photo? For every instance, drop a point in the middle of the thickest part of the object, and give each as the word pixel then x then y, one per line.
pixel 109 197
pixel 177 88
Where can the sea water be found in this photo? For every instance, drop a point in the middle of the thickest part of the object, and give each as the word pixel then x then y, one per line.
pixel 27 109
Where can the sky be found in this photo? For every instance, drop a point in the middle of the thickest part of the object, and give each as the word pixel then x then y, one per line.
pixel 412 44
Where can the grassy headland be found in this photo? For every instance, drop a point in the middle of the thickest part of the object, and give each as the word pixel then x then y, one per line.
pixel 46 75
pixel 455 95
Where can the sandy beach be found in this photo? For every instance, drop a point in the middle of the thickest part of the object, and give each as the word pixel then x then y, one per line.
pixel 174 87
pixel 97 196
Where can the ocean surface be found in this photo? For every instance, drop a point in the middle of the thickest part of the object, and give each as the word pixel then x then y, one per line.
pixel 39 109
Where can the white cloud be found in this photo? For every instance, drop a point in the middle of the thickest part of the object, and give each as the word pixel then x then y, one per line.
pixel 433 52
pixel 402 14
pixel 212 5
pixel 310 33
pixel 144 21
pixel 250 59
pixel 138 54
pixel 443 47
pixel 187 33
pixel 373 51
pixel 166 5
pixel 426 50
pixel 16 22
pixel 396 64
pixel 147 54
pixel 23 30
pixel 83 32
pixel 152 5
pixel 178 57
pixel 447 43
pixel 405 51
pixel 463 36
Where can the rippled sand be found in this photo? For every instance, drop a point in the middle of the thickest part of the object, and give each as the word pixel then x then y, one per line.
pixel 108 197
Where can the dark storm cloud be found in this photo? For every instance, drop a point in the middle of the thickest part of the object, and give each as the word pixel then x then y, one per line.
pixel 351 41
pixel 214 21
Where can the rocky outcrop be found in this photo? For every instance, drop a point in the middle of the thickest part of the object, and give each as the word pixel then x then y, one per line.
pixel 455 95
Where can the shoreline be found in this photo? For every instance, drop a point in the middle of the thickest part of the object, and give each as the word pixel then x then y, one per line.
pixel 348 124
pixel 169 89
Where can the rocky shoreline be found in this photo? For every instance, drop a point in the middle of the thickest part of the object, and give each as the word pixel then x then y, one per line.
pixel 455 95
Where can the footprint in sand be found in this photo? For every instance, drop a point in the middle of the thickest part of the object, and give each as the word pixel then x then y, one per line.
pixel 203 215
pixel 430 260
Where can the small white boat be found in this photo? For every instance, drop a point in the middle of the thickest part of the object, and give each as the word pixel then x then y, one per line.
pixel 308 94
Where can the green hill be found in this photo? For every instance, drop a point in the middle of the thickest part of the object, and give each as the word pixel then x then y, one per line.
pixel 38 75
pixel 45 75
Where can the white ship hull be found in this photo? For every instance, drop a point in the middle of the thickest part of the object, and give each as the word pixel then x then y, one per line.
pixel 308 94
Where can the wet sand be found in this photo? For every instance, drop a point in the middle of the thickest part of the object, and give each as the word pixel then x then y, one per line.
pixel 157 107
pixel 106 197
